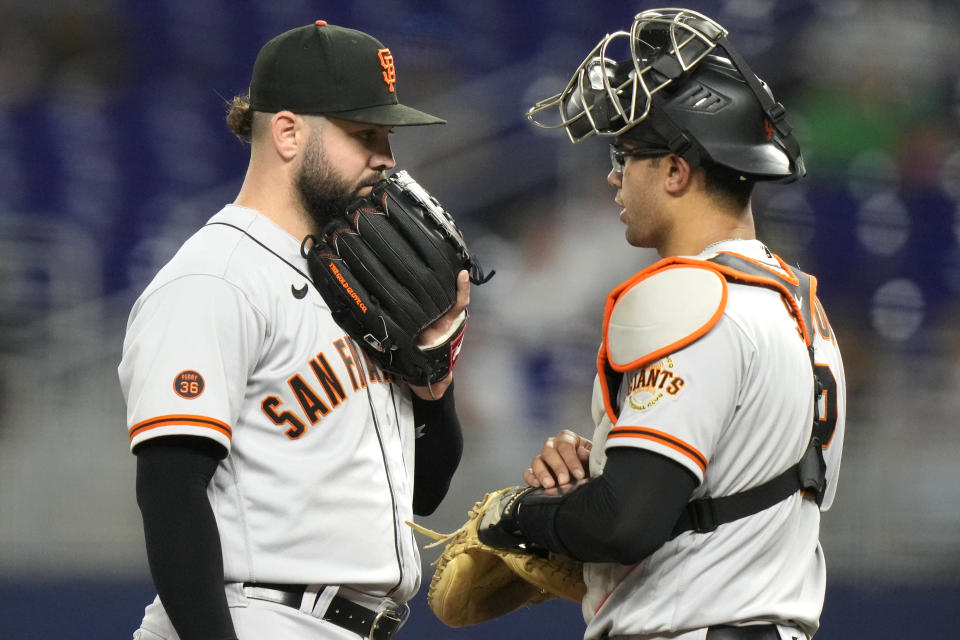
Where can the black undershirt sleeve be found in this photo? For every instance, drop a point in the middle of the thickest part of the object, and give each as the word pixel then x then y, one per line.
pixel 621 516
pixel 183 543
pixel 438 450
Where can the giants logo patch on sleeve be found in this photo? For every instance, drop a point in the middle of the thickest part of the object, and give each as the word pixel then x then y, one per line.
pixel 188 384
pixel 649 385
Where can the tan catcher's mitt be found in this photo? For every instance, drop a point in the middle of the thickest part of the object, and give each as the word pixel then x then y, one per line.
pixel 474 582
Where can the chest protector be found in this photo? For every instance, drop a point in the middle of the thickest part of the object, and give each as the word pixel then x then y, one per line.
pixel 798 291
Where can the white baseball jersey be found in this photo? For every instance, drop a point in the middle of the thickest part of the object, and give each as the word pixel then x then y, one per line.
pixel 232 342
pixel 734 406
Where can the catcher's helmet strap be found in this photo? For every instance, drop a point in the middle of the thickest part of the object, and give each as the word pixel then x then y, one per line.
pixel 678 141
pixel 776 113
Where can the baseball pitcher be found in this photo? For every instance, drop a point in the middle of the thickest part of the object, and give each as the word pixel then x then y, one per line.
pixel 288 374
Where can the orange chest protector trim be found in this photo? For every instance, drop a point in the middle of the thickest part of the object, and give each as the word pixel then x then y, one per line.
pixel 798 291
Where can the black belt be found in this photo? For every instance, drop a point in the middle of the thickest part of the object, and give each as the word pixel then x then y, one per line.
pixel 367 623
pixel 757 632
pixel 728 632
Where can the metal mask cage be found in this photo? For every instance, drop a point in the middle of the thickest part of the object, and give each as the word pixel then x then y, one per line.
pixel 663 43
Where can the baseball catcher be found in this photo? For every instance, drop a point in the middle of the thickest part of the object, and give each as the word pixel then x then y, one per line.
pixel 388 269
pixel 475 582
pixel 719 394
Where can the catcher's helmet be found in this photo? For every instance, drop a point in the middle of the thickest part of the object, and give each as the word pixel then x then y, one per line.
pixel 674 89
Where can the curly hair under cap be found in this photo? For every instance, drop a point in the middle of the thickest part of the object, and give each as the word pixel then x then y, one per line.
pixel 240 117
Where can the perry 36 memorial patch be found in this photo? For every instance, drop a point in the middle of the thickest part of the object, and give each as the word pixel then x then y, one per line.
pixel 188 384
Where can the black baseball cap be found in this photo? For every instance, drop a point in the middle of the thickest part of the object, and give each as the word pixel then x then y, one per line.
pixel 323 69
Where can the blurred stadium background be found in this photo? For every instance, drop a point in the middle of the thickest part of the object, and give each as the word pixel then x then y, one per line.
pixel 113 150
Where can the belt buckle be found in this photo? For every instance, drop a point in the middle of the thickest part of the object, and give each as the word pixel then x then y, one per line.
pixel 385 625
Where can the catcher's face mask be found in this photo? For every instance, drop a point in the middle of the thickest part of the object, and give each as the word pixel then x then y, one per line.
pixel 714 106
pixel 606 97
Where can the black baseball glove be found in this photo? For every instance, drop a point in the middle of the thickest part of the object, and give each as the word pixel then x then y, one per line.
pixel 388 270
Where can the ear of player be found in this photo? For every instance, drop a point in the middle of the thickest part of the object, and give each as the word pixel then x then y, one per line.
pixel 388 270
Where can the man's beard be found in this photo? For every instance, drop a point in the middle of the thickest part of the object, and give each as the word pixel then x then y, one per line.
pixel 323 194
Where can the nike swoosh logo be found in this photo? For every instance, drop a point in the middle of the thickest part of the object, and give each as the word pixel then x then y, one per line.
pixel 300 293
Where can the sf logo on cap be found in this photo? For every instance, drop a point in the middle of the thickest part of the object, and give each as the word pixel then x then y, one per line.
pixel 389 71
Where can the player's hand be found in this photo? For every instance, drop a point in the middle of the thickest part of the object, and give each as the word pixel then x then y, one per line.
pixel 437 332
pixel 563 459
pixel 439 329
